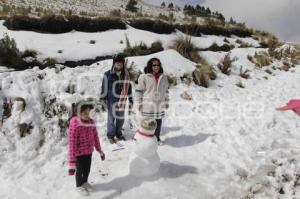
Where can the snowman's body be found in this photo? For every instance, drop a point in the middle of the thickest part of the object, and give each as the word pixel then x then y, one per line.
pixel 144 160
pixel 145 145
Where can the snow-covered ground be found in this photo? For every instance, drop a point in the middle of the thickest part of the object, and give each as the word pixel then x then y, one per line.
pixel 227 142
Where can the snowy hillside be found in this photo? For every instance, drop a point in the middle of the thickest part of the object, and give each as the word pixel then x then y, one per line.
pixel 227 142
pixel 87 6
pixel 76 45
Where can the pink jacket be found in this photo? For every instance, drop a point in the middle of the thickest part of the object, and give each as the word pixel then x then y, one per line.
pixel 82 137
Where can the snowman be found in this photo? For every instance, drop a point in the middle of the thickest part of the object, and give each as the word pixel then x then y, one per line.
pixel 144 160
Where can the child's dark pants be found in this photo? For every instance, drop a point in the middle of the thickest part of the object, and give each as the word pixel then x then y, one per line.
pixel 83 166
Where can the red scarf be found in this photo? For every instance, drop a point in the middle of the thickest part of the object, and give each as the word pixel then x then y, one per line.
pixel 144 134
pixel 156 76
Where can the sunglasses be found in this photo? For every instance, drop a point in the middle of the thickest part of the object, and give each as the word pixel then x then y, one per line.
pixel 153 65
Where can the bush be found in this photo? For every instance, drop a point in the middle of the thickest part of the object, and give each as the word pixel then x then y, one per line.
pixel 295 56
pixel 250 58
pixel 187 78
pixel 11 9
pixel 142 48
pixel 115 13
pixel 30 59
pixel 10 55
pixel 96 25
pixel 131 6
pixel 29 53
pixel 213 29
pixel 134 73
pixel 267 40
pixel 49 62
pixel 54 24
pixel 163 17
pixel 63 24
pixel 226 40
pixel 156 26
pixel 203 74
pixel 215 47
pixel 22 23
pixel 262 59
pixel 244 73
pixel 226 64
pixel 184 46
pixel 245 45
pixel 287 52
pixel 286 66
pixel 156 47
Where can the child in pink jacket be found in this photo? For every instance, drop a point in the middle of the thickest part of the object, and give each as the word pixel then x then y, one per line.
pixel 83 138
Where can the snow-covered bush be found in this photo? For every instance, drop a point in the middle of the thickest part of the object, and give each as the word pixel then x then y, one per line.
pixel 226 64
pixel 287 53
pixel 172 79
pixel 266 39
pixel 185 46
pixel 244 44
pixel 134 73
pixel 142 48
pixel 203 74
pixel 244 73
pixel 262 59
pixel 49 62
pixel 187 78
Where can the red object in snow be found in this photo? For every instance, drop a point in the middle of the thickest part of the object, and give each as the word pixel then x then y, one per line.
pixel 293 105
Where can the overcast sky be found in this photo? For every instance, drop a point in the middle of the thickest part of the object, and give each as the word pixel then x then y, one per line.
pixel 281 17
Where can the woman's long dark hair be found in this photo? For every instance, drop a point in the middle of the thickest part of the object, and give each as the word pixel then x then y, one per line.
pixel 148 68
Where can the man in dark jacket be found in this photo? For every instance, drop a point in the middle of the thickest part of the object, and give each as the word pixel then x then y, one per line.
pixel 115 90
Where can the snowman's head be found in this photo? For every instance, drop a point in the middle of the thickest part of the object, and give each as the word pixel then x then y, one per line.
pixel 148 126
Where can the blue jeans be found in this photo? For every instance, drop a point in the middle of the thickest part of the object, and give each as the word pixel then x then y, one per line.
pixel 115 121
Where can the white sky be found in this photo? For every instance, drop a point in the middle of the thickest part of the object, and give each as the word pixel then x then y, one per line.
pixel 280 17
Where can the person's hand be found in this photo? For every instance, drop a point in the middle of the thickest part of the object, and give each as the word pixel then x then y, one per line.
pixel 140 107
pixel 71 172
pixel 103 104
pixel 131 110
pixel 102 155
pixel 72 168
pixel 167 106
